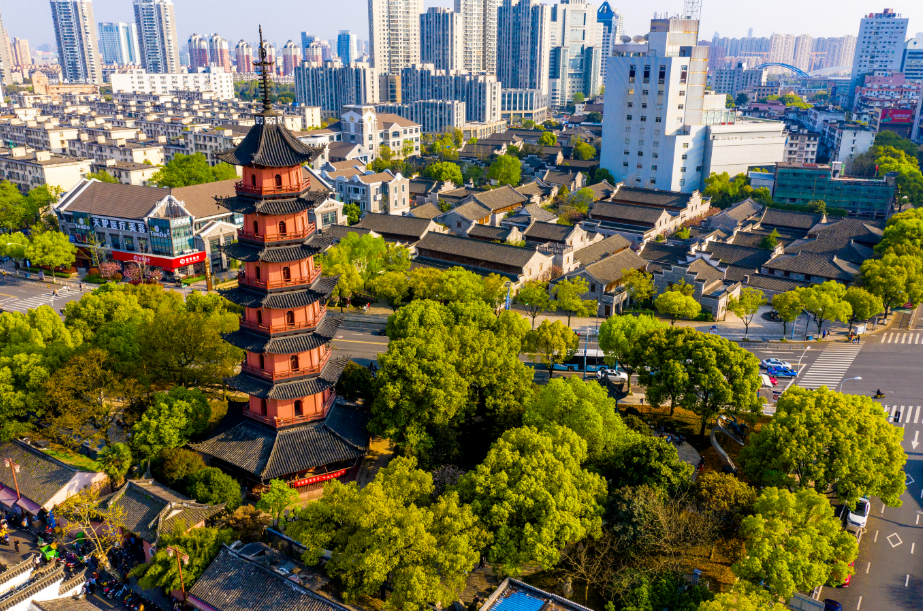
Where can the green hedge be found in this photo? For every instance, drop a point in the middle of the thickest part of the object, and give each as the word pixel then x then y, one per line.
pixel 94 279
pixel 192 280
pixel 35 270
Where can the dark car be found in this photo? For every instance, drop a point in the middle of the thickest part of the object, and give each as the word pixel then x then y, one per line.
pixel 832 605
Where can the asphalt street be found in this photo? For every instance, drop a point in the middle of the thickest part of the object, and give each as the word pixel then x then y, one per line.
pixel 19 295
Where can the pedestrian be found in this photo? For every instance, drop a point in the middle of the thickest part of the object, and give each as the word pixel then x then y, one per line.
pixel 16 545
pixel 38 560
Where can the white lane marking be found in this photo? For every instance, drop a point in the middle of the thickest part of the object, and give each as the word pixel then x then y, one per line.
pixel 883 510
pixel 911 547
pixel 897 537
pixel 918 518
pixel 876 537
pixel 867 567
pixel 907 581
pixel 859 606
pixel 916 415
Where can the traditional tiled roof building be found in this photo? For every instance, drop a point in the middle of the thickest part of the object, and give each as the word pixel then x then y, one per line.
pixel 291 428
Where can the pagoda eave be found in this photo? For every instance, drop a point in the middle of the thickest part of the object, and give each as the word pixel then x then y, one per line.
pixel 319 291
pixel 306 387
pixel 302 202
pixel 298 341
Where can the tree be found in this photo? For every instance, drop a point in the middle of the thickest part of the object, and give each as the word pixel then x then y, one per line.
pixel 396 258
pixel 425 282
pixel 594 117
pixel 579 97
pixel 909 178
pixel 903 234
pixel 494 289
pixel 393 287
pixel 51 249
pixel 116 461
pixel 445 171
pixel 352 212
pixel 248 523
pixel 743 597
pixel 725 191
pixel 817 206
pixel 640 285
pixel 794 542
pixel 818 438
pixel 602 174
pixel 101 523
pixel 548 139
pixel 770 241
pixel 741 100
pixel 277 500
pixel 102 176
pixel 676 305
pixel 720 376
pixel 788 306
pixel 173 466
pixel 724 494
pixel 393 531
pixel 825 302
pixel 201 545
pixel 619 335
pixel 551 344
pixel 505 170
pixel 584 151
pixel 895 279
pixel 15 245
pixel 864 305
pixel 746 306
pixel 186 170
pixel 568 297
pixel 531 521
pixel 535 299
pixel 583 407
pixel 459 285
pixel 355 383
pixel 213 487
pixel 171 421
pixel 648 461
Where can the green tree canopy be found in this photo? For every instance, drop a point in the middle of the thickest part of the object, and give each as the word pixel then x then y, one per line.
pixel 393 287
pixel 186 170
pixel 534 297
pixel 770 241
pixel 825 302
pixel 676 305
pixel 649 461
pixel 356 260
pixel 909 178
pixel 393 531
pixel 102 176
pixel 584 151
pixel 794 542
pixel 747 305
pixel 568 297
pixel 725 191
pixel 530 520
pixel 201 545
pixel 277 500
pixel 353 213
pixel 788 306
pixel 640 285
pixel 173 465
pixel 818 438
pixel 212 486
pixel 551 344
pixel 116 461
pixel 444 171
pixel 895 279
pixel 903 234
pixel 506 170
pixel 172 420
pixel 51 249
pixel 618 336
pixel 864 304
pixel 742 99
pixel 548 139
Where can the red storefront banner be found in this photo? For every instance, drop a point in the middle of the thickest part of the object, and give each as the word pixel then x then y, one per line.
pixel 317 478
pixel 161 262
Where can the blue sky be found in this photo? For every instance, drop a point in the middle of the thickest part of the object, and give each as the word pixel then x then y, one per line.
pixel 285 19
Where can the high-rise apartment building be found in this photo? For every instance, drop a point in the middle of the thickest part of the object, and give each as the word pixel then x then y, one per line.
pixel 6 56
pixel 219 53
pixel 75 32
pixel 576 51
pixel 157 42
pixel 314 53
pixel 912 62
pixel 332 85
pixel 524 35
pixel 479 20
pixel 613 29
pixel 781 50
pixel 346 47
pixel 732 81
pixel 394 33
pixel 20 53
pixel 198 52
pixel 441 40
pixel 480 92
pixel 291 57
pixel 879 46
pixel 801 57
pixel 244 56
pixel 118 43
pixel 306 40
pixel 834 52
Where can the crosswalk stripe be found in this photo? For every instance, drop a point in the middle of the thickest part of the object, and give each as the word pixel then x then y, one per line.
pixel 831 365
pixel 916 415
pixel 903 414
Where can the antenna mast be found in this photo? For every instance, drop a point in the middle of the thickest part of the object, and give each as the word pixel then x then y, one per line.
pixel 692 9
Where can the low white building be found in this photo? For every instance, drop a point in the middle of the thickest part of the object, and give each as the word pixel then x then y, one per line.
pixel 28 169
pixel 126 172
pixel 735 147
pixel 380 193
pixel 101 149
pixel 212 79
pixel 844 140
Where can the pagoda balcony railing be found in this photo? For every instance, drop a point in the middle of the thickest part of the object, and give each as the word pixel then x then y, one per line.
pixel 243 278
pixel 288 373
pixel 273 190
pixel 279 237
pixel 276 421
pixel 281 328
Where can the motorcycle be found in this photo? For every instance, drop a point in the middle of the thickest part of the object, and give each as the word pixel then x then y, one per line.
pixel 878 395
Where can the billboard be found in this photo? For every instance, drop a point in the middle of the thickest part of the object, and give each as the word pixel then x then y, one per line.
pixel 897 115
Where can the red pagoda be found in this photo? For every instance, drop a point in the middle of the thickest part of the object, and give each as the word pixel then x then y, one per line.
pixel 292 427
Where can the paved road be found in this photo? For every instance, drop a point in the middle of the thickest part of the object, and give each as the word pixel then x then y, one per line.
pixel 19 295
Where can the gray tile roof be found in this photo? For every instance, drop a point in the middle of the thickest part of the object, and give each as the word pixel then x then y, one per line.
pixel 732 254
pixel 202 201
pixel 809 264
pixel 475 249
pixel 41 580
pixel 267 452
pixel 626 212
pixel 66 604
pixel 403 228
pixel 651 197
pixel 602 190
pixel 472 210
pixel 704 271
pixel 292 205
pixel 40 476
pixel 113 199
pixel 559 177
pixel 549 232
pixel 487 232
pixel 499 198
pixel 286 344
pixel 338 232
pixel 737 214
pixel 428 210
pixel 536 212
pixel 611 269
pixel 601 249
pixel 320 290
pixel 661 252
pixel 305 387
pixel 772 283
pixel 270 145
pixel 245 251
pixel 789 219
pixel 234 583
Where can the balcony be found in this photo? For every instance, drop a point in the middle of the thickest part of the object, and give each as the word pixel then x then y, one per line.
pixel 281 328
pixel 243 279
pixel 240 187
pixel 277 422
pixel 280 237
pixel 290 373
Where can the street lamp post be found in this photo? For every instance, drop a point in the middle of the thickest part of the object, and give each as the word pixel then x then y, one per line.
pixel 846 380
pixel 171 551
pixel 14 467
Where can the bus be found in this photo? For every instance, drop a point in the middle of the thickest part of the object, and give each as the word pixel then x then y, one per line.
pixel 594 360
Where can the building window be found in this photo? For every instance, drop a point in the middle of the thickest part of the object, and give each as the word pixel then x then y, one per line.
pixel 643 118
pixel 685 156
pixel 685 145
pixel 329 218
pixel 282 228
pixel 682 181
pixel 644 92
pixel 698 168
pixel 653 168
pixel 631 91
pixel 263 407
pixel 640 153
pixel 258 271
pixel 683 170
pixel 630 104
pixel 299 407
pixel 262 362
pixel 657 120
pixel 625 164
pixel 286 273
pixel 259 317
pixel 640 166
pixel 625 152
pixel 628 117
pixel 253 180
pixel 293 362
pixel 256 227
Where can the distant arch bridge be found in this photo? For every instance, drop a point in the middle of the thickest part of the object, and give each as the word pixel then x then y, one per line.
pixel 801 73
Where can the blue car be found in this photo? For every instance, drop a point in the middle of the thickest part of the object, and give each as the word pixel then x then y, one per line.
pixel 782 372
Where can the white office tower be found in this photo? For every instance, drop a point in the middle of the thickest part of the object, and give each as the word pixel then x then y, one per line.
pixel 613 29
pixel 219 53
pixel 804 46
pixel 157 36
pixel 912 63
pixel 118 43
pixel 346 47
pixel 291 57
pixel 879 46
pixel 331 85
pixel 394 33
pixel 75 32
pixel 6 59
pixel 781 51
pixel 441 38
pixel 198 52
pixel 479 18
pixel 662 130
pixel 244 56
pixel 19 48
pixel 576 50
pixel 523 50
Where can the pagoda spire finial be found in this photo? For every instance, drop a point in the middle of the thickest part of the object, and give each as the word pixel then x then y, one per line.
pixel 265 65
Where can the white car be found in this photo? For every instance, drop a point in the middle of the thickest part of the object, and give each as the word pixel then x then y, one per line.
pixel 615 376
pixel 775 363
pixel 860 515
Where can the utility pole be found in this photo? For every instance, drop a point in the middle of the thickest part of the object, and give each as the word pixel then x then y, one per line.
pixel 14 467
pixel 171 551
